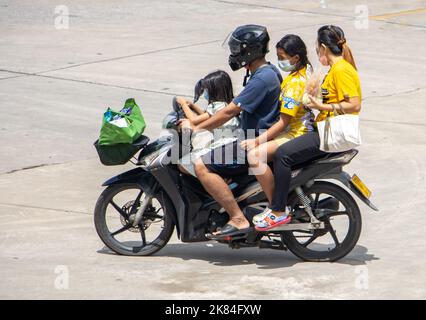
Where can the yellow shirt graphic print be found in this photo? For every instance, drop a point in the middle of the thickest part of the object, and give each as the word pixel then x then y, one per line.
pixel 292 90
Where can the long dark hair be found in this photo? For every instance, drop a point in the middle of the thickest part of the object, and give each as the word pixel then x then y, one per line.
pixel 294 45
pixel 333 38
pixel 219 86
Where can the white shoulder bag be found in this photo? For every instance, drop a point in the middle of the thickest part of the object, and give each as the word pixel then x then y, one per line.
pixel 339 133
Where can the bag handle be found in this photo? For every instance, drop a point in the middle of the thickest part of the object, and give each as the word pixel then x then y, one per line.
pixel 327 129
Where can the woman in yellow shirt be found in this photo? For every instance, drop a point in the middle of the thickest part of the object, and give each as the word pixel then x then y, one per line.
pixel 341 92
pixel 295 120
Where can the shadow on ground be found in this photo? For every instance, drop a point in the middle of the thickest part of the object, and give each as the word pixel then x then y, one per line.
pixel 220 255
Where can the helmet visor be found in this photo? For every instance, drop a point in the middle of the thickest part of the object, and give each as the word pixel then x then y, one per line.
pixel 234 45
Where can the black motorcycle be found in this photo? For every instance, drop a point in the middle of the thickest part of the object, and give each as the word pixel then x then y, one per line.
pixel 137 213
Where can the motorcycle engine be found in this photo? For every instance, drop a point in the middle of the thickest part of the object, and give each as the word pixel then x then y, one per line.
pixel 216 220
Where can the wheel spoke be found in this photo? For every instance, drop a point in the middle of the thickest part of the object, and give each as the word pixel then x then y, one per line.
pixel 315 205
pixel 124 228
pixel 120 211
pixel 152 215
pixel 312 239
pixel 136 203
pixel 333 234
pixel 337 213
pixel 142 230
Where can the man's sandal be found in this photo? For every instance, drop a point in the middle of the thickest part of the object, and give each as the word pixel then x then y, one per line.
pixel 227 230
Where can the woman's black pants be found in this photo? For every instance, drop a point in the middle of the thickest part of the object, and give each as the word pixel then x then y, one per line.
pixel 288 155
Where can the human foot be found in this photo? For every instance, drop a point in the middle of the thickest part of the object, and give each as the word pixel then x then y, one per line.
pixel 233 225
pixel 258 218
pixel 272 220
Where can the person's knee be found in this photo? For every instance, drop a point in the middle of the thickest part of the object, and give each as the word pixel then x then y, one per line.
pixel 257 157
pixel 252 158
pixel 182 169
pixel 200 169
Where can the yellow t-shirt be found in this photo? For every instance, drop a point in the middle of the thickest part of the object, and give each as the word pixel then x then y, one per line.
pixel 292 90
pixel 341 82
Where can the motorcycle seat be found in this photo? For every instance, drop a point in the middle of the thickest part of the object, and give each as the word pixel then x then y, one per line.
pixel 323 158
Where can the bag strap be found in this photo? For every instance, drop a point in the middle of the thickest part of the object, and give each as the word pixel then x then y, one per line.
pixel 246 77
pixel 327 129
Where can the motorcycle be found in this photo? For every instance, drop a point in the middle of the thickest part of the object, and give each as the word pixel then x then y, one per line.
pixel 138 211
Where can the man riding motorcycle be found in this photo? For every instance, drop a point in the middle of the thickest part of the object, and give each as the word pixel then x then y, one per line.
pixel 257 106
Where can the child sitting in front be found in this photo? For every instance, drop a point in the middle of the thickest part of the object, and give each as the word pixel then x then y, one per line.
pixel 216 88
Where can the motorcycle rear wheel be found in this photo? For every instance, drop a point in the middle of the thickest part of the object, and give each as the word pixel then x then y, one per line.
pixel 341 248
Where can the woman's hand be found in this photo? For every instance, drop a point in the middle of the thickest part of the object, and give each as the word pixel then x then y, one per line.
pixel 316 103
pixel 249 144
pixel 313 84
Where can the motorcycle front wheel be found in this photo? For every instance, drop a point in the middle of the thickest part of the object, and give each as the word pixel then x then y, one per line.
pixel 114 216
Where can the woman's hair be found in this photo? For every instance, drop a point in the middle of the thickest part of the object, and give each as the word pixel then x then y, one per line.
pixel 294 45
pixel 219 86
pixel 333 38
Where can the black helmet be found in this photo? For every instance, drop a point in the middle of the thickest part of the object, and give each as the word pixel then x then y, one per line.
pixel 247 43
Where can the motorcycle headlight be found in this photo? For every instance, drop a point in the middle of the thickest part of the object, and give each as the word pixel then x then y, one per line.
pixel 155 152
pixel 147 160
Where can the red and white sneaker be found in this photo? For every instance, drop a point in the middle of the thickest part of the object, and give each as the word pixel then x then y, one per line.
pixel 271 221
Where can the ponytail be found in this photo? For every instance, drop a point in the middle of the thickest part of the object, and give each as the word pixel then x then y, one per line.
pixel 347 53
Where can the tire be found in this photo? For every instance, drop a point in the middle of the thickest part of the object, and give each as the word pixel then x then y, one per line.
pixel 354 229
pixel 111 242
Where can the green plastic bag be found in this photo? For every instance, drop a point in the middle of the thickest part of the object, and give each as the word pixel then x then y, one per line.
pixel 124 126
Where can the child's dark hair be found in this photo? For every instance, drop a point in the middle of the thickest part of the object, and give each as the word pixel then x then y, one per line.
pixel 294 45
pixel 218 85
pixel 333 38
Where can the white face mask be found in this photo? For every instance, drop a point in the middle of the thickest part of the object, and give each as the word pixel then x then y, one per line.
pixel 285 65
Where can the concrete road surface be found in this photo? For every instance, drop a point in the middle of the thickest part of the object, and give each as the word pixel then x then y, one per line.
pixel 62 63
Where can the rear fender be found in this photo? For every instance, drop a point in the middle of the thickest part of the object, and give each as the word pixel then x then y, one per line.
pixel 345 178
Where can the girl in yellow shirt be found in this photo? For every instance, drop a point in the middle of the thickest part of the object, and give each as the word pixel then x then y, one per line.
pixel 295 120
pixel 341 92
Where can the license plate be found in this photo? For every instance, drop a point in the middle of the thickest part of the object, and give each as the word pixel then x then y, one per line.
pixel 356 181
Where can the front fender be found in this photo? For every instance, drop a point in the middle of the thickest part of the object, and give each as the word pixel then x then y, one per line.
pixel 137 175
